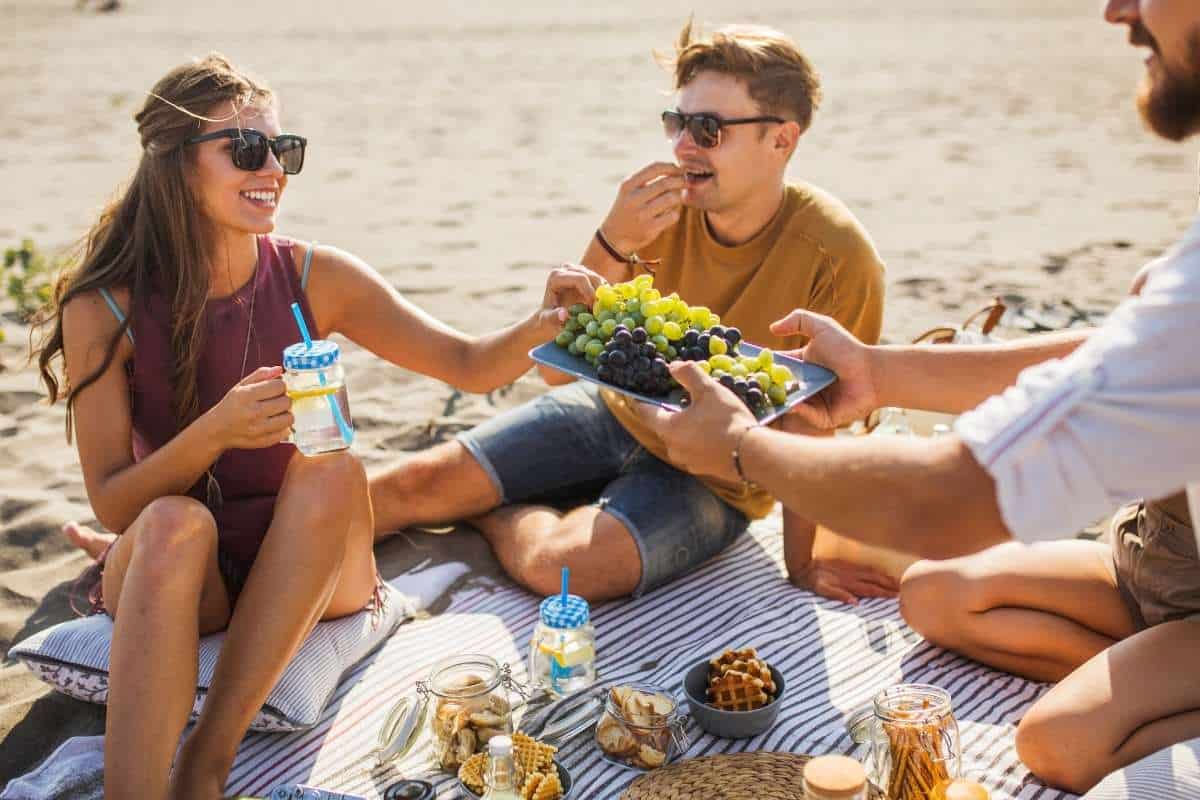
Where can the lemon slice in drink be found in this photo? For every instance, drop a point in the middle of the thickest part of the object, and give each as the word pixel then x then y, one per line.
pixel 575 654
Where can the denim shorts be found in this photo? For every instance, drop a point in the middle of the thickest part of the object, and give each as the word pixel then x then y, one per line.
pixel 567 447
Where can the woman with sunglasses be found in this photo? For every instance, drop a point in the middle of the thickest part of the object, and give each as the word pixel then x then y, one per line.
pixel 170 332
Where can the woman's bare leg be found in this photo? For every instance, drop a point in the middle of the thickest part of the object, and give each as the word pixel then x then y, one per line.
pixel 89 541
pixel 1134 699
pixel 316 562
pixel 163 589
pixel 1039 610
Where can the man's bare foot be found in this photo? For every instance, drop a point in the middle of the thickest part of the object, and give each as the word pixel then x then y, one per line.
pixel 88 540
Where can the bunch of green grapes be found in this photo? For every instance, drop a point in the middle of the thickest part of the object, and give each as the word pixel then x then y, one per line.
pixel 757 380
pixel 634 304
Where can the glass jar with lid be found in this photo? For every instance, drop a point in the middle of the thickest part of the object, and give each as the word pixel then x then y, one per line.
pixel 316 385
pixel 472 698
pixel 562 652
pixel 914 741
pixel 641 726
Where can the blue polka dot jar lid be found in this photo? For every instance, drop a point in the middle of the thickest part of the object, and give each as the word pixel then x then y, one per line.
pixel 572 614
pixel 322 354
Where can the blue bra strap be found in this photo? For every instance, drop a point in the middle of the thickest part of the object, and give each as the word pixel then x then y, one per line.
pixel 117 312
pixel 307 267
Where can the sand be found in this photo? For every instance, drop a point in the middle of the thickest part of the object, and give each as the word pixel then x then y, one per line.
pixel 462 147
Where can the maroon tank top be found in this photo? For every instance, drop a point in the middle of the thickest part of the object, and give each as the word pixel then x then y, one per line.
pixel 249 480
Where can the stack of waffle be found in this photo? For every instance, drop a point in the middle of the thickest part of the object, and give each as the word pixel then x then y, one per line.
pixel 738 680
pixel 534 762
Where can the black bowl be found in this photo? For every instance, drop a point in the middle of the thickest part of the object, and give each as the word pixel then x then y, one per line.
pixel 729 724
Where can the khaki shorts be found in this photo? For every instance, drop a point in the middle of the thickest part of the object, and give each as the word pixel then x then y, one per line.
pixel 1157 566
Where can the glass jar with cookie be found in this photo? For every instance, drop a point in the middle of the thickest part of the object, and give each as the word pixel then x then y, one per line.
pixel 641 727
pixel 471 703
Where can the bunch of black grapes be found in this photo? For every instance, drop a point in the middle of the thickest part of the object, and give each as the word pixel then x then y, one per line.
pixel 631 361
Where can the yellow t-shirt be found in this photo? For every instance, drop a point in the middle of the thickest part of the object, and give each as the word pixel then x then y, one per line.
pixel 814 254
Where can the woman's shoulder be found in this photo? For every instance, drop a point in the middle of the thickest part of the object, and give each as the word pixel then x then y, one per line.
pixel 325 257
pixel 88 315
pixel 96 305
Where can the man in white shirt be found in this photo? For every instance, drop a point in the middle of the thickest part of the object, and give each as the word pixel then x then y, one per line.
pixel 1093 421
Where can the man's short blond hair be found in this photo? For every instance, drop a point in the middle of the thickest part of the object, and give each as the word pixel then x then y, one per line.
pixel 777 75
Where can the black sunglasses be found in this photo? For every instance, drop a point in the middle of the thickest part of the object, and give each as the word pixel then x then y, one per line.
pixel 704 127
pixel 250 148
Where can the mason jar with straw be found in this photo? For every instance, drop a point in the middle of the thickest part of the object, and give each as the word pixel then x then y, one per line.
pixel 562 651
pixel 316 385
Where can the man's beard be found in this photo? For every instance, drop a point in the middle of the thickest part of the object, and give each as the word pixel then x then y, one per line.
pixel 1169 101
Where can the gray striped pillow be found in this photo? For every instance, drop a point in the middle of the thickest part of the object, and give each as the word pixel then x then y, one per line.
pixel 73 658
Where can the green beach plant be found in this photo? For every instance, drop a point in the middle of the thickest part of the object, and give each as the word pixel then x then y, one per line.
pixel 29 277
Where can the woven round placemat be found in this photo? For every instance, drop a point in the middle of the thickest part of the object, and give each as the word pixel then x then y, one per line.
pixel 735 776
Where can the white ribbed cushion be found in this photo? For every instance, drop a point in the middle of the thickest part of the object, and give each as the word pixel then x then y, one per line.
pixel 73 658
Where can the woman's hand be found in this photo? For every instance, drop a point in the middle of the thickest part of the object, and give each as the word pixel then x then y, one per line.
pixel 566 286
pixel 830 345
pixel 843 580
pixel 255 413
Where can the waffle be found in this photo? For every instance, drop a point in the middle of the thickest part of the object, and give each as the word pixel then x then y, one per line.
pixel 530 787
pixel 737 691
pixel 471 772
pixel 755 668
pixel 730 656
pixel 531 755
pixel 549 788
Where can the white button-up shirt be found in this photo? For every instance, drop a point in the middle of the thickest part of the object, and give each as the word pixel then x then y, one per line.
pixel 1116 421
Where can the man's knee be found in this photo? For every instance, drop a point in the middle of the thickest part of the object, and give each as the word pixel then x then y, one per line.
pixel 931 601
pixel 603 558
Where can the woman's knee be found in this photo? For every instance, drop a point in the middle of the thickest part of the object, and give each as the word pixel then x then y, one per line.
pixel 172 532
pixel 931 600
pixel 337 476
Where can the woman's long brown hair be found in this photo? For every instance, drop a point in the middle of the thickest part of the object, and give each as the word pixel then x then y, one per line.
pixel 153 237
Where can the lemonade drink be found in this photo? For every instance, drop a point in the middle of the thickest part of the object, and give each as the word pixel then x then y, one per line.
pixel 316 385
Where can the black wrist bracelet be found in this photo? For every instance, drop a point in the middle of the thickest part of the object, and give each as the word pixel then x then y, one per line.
pixel 632 259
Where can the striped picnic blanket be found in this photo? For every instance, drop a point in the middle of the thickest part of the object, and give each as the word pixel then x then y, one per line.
pixel 833 657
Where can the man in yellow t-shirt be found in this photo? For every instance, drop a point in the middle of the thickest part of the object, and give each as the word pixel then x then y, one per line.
pixel 725 231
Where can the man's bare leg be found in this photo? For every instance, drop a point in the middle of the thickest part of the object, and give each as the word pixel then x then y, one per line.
pixel 442 484
pixel 534 543
pixel 1039 611
pixel 1131 700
